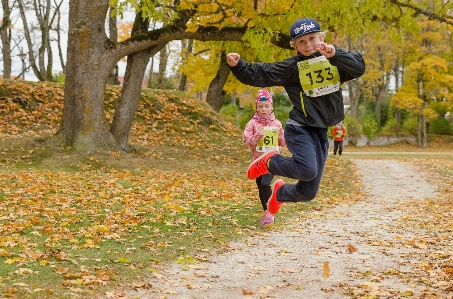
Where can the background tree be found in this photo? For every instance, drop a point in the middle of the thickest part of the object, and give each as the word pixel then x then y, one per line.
pixel 113 36
pixel 163 59
pixel 58 31
pixel 41 59
pixel 380 56
pixel 426 81
pixel 427 78
pixel 5 35
pixel 186 50
pixel 215 95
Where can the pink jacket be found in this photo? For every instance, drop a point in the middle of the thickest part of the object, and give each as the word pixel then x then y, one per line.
pixel 251 137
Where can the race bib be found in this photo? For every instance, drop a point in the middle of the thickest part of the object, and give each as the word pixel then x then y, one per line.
pixel 339 133
pixel 269 141
pixel 318 77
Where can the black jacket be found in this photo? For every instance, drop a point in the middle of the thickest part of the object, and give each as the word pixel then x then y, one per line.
pixel 321 112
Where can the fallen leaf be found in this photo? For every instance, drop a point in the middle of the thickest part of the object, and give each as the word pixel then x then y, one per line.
pixel 326 271
pixel 351 248
pixel 245 292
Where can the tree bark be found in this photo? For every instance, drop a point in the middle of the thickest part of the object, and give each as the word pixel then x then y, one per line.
pixel 353 100
pixel 163 58
pixel 215 94
pixel 5 35
pixel 58 31
pixel 89 63
pixel 381 89
pixel 150 74
pixel 130 96
pixel 423 125
pixel 113 35
pixel 183 81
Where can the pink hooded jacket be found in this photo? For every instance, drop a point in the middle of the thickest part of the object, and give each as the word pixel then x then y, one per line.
pixel 251 137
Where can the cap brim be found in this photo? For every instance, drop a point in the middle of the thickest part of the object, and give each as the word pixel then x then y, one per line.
pixel 306 34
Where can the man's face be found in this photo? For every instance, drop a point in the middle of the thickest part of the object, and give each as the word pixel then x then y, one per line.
pixel 308 44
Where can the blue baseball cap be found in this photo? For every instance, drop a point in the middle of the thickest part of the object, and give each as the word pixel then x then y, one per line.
pixel 302 27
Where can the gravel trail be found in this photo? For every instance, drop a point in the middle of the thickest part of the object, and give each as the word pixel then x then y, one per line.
pixel 328 254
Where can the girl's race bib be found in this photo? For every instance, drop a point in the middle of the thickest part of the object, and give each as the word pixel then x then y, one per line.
pixel 269 141
pixel 318 77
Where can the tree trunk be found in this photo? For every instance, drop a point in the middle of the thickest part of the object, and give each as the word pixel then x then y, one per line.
pixel 130 96
pixel 150 74
pixel 215 96
pixel 233 99
pixel 58 31
pixel 419 130
pixel 353 100
pixel 163 58
pixel 5 35
pixel 378 104
pixel 398 83
pixel 183 82
pixel 423 135
pixel 113 35
pixel 423 125
pixel 84 123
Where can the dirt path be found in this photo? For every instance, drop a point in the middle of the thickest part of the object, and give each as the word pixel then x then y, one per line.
pixel 347 252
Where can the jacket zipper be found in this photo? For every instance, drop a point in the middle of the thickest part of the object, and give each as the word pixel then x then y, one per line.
pixel 302 103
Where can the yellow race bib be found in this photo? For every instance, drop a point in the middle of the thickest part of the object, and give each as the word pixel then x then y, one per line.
pixel 318 77
pixel 269 141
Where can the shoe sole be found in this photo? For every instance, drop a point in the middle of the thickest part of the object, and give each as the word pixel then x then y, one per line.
pixel 272 195
pixel 256 160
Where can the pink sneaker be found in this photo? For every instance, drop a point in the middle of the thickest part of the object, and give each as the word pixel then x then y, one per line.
pixel 267 219
pixel 273 205
pixel 259 166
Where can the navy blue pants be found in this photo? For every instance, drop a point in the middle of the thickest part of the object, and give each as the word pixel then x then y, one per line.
pixel 309 147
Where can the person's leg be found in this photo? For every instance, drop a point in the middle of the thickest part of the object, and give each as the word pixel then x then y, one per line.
pixel 335 147
pixel 260 192
pixel 266 190
pixel 309 147
pixel 340 148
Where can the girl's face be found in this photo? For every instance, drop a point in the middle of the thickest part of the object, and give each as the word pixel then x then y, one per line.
pixel 264 108
pixel 308 44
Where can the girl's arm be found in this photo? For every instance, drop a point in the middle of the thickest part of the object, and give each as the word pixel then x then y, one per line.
pixel 252 135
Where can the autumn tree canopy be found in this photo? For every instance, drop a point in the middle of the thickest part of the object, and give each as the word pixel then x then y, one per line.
pixel 91 55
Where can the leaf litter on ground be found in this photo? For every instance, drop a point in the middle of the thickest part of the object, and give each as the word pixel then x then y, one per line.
pixel 73 225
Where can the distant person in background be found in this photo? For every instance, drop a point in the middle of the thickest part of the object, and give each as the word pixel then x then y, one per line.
pixel 338 133
pixel 263 133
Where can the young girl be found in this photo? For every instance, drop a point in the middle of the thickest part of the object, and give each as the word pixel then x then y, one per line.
pixel 264 133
